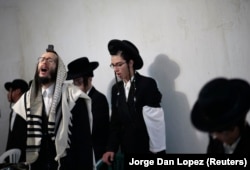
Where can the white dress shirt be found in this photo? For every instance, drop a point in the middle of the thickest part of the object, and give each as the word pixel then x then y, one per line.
pixel 47 97
pixel 127 87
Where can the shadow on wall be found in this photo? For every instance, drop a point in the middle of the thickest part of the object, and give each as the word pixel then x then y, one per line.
pixel 180 135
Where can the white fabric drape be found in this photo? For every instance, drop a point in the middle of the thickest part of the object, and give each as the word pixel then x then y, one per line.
pixel 155 122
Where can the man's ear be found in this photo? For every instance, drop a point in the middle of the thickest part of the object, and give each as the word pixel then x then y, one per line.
pixel 131 63
pixel 90 79
pixel 18 91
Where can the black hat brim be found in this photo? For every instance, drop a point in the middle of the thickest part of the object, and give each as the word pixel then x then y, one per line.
pixel 7 86
pixel 87 72
pixel 17 84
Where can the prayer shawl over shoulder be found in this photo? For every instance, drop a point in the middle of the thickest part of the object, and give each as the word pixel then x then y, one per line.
pixel 69 97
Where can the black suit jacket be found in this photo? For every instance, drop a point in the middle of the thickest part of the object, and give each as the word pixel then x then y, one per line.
pixel 128 128
pixel 100 111
pixel 79 155
pixel 17 136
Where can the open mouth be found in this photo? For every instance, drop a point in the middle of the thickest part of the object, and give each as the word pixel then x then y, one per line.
pixel 44 70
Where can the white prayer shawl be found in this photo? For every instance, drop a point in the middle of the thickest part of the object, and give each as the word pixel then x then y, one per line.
pixel 155 123
pixel 70 94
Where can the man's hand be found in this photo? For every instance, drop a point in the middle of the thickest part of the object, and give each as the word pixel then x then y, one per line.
pixel 108 157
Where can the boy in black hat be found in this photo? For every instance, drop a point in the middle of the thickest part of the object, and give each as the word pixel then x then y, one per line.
pixel 132 94
pixel 221 111
pixel 58 117
pixel 81 72
pixel 16 89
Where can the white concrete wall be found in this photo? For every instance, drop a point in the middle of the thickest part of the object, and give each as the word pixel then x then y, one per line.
pixel 184 44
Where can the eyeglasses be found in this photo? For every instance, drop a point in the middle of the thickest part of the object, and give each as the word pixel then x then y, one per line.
pixel 42 59
pixel 117 64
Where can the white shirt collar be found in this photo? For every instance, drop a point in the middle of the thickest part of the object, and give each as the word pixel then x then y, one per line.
pixel 229 149
pixel 129 82
pixel 127 86
pixel 49 90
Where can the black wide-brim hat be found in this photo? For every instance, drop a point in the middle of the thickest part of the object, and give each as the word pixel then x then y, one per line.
pixel 128 48
pixel 222 103
pixel 17 84
pixel 81 67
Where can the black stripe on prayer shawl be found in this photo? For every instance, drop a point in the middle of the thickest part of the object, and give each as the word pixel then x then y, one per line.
pixel 34 116
pixel 34 147
pixel 32 122
pixel 51 123
pixel 35 129
pixel 34 135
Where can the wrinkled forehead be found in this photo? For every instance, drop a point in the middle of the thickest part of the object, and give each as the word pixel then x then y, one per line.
pixel 49 55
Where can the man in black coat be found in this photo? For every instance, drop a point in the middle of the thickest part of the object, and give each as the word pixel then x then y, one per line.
pixel 81 72
pixel 58 119
pixel 16 89
pixel 130 96
pixel 221 111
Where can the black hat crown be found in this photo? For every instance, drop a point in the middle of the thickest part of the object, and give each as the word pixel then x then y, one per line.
pixel 127 48
pixel 222 103
pixel 81 67
pixel 51 49
pixel 17 84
